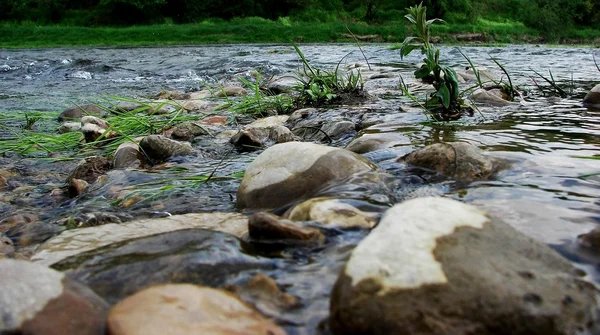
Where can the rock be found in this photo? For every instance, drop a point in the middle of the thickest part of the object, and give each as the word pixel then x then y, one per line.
pixel 187 131
pixel 469 75
pixel 284 84
pixel 592 99
pixel 3 183
pixel 125 107
pixel 368 142
pixel 590 240
pixel 271 121
pixel 7 247
pixel 77 112
pixel 251 138
pixel 215 120
pixel 186 309
pixel 457 160
pixel 92 219
pixel 263 226
pixel 128 155
pixel 199 95
pixel 77 187
pixel 230 91
pixel 25 229
pixel 159 148
pixel 93 128
pixel 69 127
pixel 263 294
pixel 291 171
pixel 76 241
pixel 89 169
pixel 437 266
pixel 173 95
pixel 39 301
pixel 482 96
pixel 205 107
pixel 337 130
pixel 195 256
pixel 338 213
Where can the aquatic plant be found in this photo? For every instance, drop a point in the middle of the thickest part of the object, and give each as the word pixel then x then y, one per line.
pixel 554 87
pixel 445 102
pixel 318 87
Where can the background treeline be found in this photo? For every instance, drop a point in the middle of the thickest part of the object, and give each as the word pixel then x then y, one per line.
pixel 539 14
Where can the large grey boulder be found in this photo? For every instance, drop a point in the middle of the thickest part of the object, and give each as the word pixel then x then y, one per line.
pixel 291 171
pixel 36 300
pixel 458 160
pixel 438 266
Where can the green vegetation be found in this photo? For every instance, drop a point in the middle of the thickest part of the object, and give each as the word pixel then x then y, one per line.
pixel 46 23
pixel 445 104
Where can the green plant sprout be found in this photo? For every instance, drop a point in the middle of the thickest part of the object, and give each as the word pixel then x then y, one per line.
pixel 446 101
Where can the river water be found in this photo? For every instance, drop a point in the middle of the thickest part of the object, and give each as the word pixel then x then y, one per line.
pixel 549 193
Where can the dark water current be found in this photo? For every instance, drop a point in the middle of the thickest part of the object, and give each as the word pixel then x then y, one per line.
pixel 548 192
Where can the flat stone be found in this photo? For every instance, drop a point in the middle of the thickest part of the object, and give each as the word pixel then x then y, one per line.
pixel 332 212
pixel 195 256
pixel 76 241
pixel 270 227
pixel 77 112
pixel 186 309
pixel 159 148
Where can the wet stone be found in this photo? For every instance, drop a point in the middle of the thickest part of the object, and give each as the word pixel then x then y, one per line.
pixel 263 293
pixel 439 266
pixel 77 112
pixel 592 99
pixel 458 160
pixel 187 131
pixel 291 171
pixel 7 246
pixel 90 168
pixel 76 241
pixel 159 148
pixel 590 240
pixel 195 256
pixel 332 212
pixel 486 97
pixel 69 127
pixel 367 142
pixel 186 309
pixel 263 226
pixel 128 155
pixel 40 301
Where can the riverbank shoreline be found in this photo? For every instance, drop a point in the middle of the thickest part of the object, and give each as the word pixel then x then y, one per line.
pixel 246 31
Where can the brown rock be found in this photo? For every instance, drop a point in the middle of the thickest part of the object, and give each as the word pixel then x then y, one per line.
pixel 592 99
pixel 77 112
pixel 263 294
pixel 186 309
pixel 77 187
pixel 90 168
pixel 266 226
pixel 590 240
pixel 458 160
pixel 230 91
pixel 128 155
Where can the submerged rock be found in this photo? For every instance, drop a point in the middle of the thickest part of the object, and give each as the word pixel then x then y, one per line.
pixel 592 99
pixel 458 160
pixel 187 131
pixel 76 241
pixel 368 142
pixel 77 112
pixel 186 309
pixel 159 148
pixel 195 256
pixel 294 170
pixel 40 301
pixel 255 137
pixel 437 266
pixel 332 212
pixel 590 240
pixel 263 294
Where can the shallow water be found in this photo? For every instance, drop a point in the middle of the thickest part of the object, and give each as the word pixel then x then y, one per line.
pixel 545 194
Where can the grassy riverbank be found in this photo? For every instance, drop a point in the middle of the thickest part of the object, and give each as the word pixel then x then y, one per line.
pixel 258 30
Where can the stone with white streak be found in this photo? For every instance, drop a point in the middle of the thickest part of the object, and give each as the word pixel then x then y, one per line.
pixel 36 300
pixel 288 172
pixel 332 212
pixel 437 266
